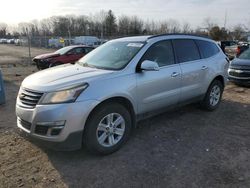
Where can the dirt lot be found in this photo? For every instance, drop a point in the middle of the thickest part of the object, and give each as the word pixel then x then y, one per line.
pixel 183 148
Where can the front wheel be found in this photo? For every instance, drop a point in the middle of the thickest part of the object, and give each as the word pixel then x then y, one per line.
pixel 213 96
pixel 107 129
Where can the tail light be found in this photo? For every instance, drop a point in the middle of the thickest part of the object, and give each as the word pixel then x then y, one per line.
pixel 238 50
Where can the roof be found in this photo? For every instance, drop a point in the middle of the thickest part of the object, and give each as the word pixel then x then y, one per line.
pixel 134 38
pixel 179 34
pixel 144 38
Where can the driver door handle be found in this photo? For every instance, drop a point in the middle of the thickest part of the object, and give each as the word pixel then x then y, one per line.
pixel 175 74
pixel 204 67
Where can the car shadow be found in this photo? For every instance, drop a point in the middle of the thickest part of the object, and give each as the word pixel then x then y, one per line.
pixel 7 109
pixel 187 147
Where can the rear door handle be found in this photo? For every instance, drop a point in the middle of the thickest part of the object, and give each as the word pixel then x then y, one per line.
pixel 204 67
pixel 175 74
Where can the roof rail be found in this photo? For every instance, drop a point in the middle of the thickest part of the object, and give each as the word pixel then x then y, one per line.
pixel 169 34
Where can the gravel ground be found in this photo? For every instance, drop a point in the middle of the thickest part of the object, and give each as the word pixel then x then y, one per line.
pixel 186 147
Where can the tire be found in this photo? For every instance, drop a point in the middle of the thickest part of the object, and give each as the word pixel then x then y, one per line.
pixel 101 137
pixel 213 96
pixel 54 64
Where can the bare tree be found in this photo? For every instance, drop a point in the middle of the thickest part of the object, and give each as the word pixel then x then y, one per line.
pixel 135 26
pixel 238 32
pixel 209 23
pixel 186 28
pixel 3 29
pixel 123 25
pixel 173 26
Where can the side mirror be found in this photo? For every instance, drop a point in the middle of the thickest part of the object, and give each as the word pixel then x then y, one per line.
pixel 149 66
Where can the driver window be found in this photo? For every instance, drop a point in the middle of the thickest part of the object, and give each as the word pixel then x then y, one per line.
pixel 76 51
pixel 161 53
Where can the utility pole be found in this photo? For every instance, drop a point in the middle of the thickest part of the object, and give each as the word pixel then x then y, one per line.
pixel 225 21
pixel 69 26
pixel 29 44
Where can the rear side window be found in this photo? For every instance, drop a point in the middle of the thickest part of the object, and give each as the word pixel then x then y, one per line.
pixel 77 51
pixel 207 49
pixel 87 50
pixel 161 53
pixel 186 50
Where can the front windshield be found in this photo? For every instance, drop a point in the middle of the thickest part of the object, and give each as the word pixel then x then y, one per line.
pixel 245 55
pixel 113 55
pixel 64 50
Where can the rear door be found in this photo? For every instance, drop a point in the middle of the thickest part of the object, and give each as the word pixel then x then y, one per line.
pixel 157 89
pixel 193 69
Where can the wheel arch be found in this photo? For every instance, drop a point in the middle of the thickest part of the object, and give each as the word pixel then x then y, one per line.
pixel 219 78
pixel 120 100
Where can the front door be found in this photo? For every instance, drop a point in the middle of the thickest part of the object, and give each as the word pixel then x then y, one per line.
pixel 158 89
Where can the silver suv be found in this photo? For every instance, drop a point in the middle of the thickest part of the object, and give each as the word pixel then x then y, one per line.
pixel 98 101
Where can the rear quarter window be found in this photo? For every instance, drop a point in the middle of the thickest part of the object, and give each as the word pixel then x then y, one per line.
pixel 186 50
pixel 207 49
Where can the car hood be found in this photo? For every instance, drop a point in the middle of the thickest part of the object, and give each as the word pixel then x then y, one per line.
pixel 240 63
pixel 63 76
pixel 48 55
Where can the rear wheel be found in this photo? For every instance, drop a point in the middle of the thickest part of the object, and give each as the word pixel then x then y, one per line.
pixel 213 96
pixel 107 129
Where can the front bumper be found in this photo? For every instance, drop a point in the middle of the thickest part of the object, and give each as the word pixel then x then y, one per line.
pixel 41 64
pixel 33 123
pixel 238 80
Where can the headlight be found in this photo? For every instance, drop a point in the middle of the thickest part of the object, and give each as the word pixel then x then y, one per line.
pixel 48 59
pixel 63 96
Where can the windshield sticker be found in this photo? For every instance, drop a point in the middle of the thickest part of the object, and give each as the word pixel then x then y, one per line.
pixel 137 45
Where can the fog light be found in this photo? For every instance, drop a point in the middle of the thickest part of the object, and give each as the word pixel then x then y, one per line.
pixel 49 128
pixel 52 123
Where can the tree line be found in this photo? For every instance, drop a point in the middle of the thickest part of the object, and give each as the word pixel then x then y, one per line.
pixel 106 25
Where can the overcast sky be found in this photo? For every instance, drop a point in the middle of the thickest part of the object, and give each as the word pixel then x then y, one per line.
pixel 192 11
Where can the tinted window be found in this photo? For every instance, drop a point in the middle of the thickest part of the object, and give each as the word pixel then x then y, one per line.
pixel 87 50
pixel 76 51
pixel 186 50
pixel 207 49
pixel 161 53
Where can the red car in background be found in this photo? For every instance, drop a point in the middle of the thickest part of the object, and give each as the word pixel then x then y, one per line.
pixel 69 54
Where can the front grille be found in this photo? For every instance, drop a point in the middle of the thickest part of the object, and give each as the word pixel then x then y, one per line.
pixel 42 130
pixel 25 124
pixel 240 73
pixel 28 98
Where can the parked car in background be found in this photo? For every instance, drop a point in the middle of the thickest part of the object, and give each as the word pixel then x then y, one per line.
pixel 10 41
pixel 87 40
pixel 239 69
pixel 69 54
pixel 224 44
pixel 3 41
pixel 17 42
pixel 233 48
pixel 98 101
